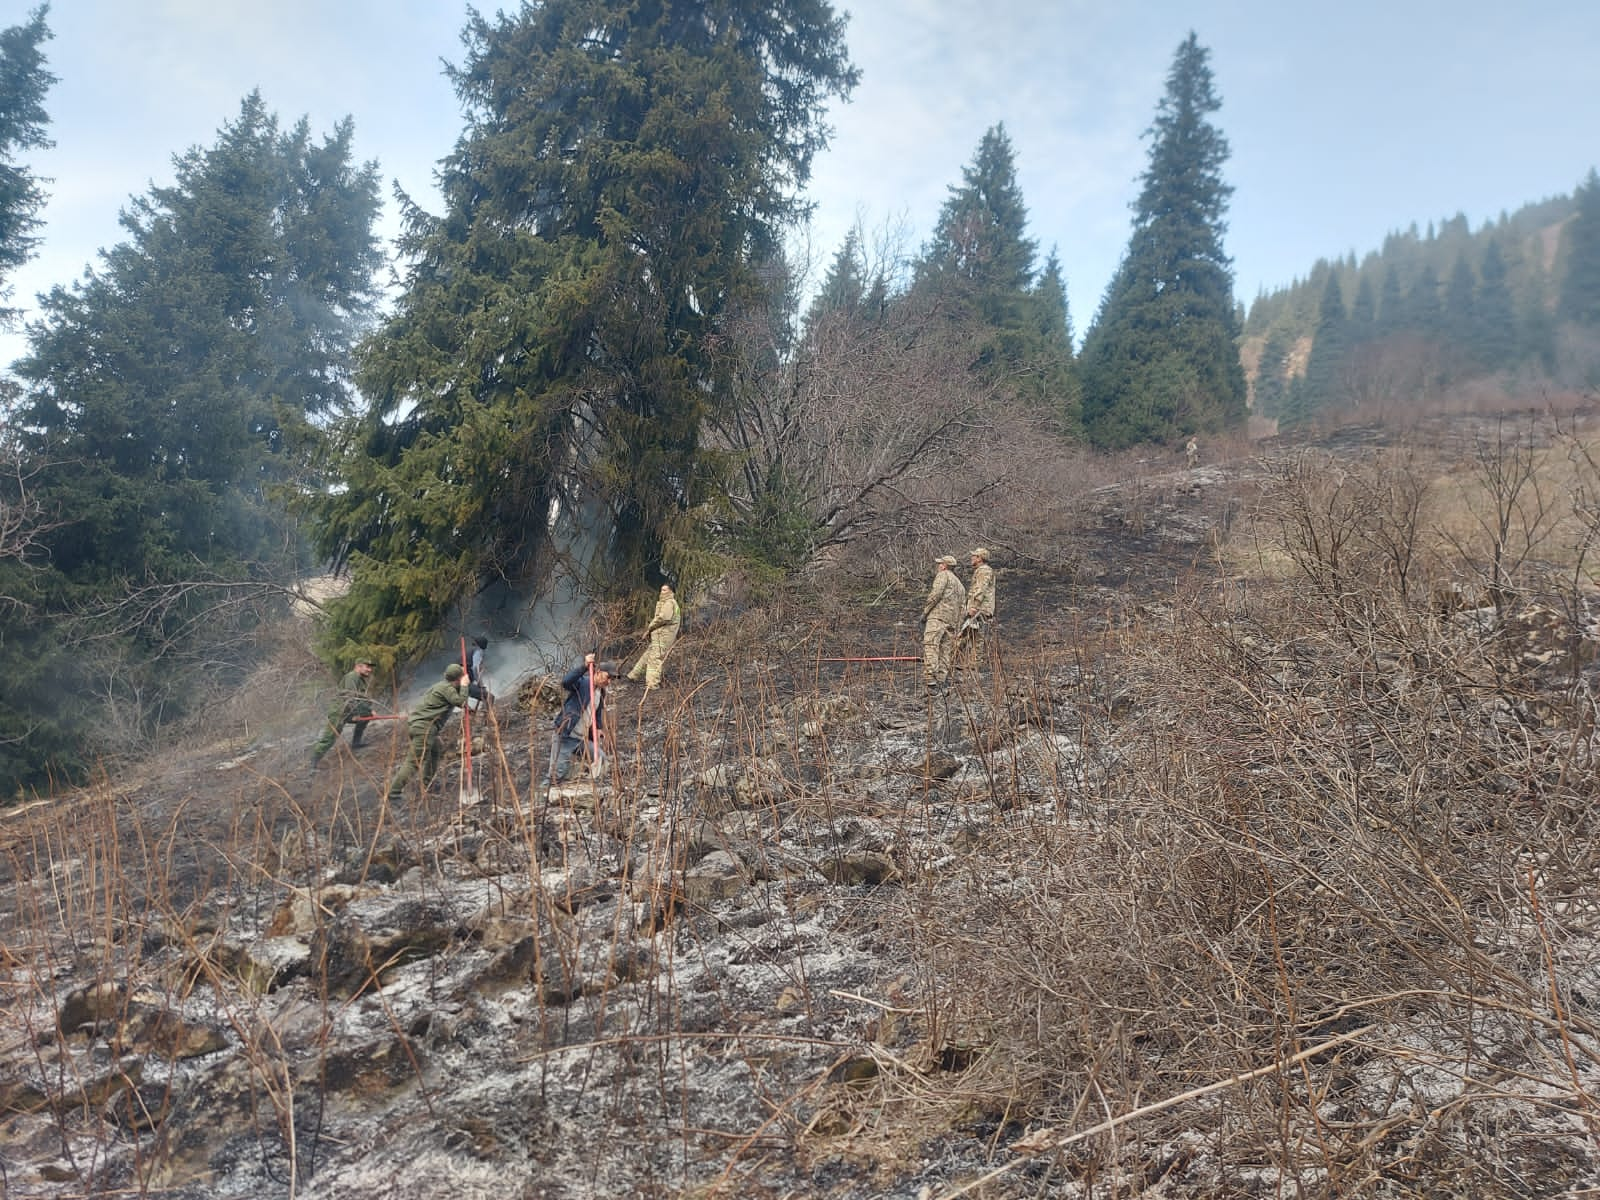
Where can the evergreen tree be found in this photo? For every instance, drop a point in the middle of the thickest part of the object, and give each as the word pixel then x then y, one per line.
pixel 1424 312
pixel 1272 373
pixel 1162 358
pixel 1329 353
pixel 1579 299
pixel 1055 376
pixel 1391 301
pixel 23 84
pixel 1363 310
pixel 169 395
pixel 625 169
pixel 1495 312
pixel 980 249
pixel 845 288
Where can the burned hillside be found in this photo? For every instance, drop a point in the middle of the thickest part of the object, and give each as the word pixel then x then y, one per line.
pixel 1256 855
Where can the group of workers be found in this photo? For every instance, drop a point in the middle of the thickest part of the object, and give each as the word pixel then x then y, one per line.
pixel 579 724
pixel 955 615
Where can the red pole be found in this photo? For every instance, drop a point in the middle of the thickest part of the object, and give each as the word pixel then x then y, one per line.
pixel 466 725
pixel 594 725
pixel 883 658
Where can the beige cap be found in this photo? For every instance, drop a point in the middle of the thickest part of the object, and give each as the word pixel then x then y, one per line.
pixel 980 552
pixel 948 560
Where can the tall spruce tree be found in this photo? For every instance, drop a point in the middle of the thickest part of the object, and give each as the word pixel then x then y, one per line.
pixel 23 121
pixel 978 269
pixel 844 289
pixel 169 396
pixel 625 169
pixel 1162 356
pixel 1579 298
pixel 1055 382
pixel 1330 349
pixel 980 251
pixel 1495 312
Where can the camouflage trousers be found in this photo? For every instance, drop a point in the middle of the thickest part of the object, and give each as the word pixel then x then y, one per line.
pixel 938 651
pixel 652 660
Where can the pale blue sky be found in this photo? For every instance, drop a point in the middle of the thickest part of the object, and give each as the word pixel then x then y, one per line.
pixel 1346 121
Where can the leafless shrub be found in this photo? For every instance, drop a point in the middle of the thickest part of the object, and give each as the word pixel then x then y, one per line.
pixel 1318 877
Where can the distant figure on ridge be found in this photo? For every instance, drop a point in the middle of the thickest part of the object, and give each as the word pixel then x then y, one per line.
pixel 663 631
pixel 350 706
pixel 1191 452
pixel 427 719
pixel 941 617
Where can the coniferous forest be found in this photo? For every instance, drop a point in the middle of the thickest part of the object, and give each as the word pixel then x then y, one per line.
pixel 605 317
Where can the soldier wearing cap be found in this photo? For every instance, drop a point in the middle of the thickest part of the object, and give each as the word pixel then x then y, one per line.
pixel 350 707
pixel 941 617
pixel 427 719
pixel 980 601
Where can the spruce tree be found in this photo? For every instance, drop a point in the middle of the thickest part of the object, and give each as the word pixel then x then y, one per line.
pixel 1162 359
pixel 1495 312
pixel 1391 301
pixel 625 170
pixel 1052 368
pixel 1330 349
pixel 1579 298
pixel 1459 319
pixel 172 396
pixel 844 288
pixel 980 251
pixel 23 120
pixel 1272 372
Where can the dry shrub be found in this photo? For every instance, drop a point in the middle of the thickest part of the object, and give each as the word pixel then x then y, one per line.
pixel 1330 884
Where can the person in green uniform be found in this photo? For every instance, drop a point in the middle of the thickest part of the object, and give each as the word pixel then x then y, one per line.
pixel 425 722
pixel 350 705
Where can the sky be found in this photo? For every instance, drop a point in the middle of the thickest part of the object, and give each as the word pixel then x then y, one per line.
pixel 1346 121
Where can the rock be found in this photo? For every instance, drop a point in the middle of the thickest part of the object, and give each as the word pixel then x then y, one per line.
pixel 93 1005
pixel 715 877
pixel 259 968
pixel 341 955
pixel 860 867
pixel 22 1096
pixel 306 908
pixel 162 1032
pixel 368 1068
pixel 142 1107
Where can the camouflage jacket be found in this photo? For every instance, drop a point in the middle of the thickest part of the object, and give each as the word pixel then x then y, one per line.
pixel 980 596
pixel 945 599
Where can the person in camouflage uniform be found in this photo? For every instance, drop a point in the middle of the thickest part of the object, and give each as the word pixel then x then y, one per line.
pixel 980 602
pixel 663 633
pixel 427 719
pixel 351 705
pixel 941 617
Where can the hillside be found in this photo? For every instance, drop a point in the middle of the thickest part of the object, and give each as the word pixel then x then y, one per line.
pixel 1256 858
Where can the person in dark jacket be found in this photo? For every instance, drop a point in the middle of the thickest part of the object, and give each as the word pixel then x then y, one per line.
pixel 476 688
pixel 427 719
pixel 582 718
pixel 351 705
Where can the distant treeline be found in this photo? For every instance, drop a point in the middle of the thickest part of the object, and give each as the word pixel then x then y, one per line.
pixel 1517 300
